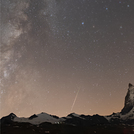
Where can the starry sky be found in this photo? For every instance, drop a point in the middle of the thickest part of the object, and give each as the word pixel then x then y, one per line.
pixel 64 56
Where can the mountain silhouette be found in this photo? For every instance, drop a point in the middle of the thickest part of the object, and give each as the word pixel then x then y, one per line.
pixel 121 122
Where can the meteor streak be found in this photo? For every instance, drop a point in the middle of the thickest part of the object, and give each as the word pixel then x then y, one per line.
pixel 75 99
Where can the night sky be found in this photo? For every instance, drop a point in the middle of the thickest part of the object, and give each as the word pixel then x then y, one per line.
pixel 64 56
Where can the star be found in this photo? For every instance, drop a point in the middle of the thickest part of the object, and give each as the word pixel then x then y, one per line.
pixel 82 23
pixel 50 50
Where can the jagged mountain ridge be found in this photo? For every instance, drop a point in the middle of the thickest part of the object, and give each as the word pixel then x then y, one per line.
pixel 127 113
pixel 129 100
pixel 126 116
pixel 72 119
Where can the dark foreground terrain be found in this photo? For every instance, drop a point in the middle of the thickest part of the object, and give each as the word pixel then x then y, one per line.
pixel 48 128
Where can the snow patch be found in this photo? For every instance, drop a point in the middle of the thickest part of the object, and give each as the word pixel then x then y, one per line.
pixel 43 117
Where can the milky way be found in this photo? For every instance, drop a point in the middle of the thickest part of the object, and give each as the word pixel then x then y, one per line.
pixel 51 50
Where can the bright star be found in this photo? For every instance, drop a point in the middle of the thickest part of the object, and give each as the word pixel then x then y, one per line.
pixel 106 8
pixel 82 23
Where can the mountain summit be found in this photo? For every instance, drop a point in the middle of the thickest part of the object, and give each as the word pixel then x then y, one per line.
pixel 43 123
pixel 125 116
pixel 129 100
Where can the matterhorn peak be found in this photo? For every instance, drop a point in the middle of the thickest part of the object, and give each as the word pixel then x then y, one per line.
pixel 129 100
pixel 130 85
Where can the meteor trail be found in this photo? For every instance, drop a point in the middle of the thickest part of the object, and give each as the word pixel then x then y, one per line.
pixel 75 99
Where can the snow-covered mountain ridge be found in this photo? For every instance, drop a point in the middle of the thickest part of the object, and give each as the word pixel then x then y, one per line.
pixel 126 116
pixel 129 100
pixel 39 118
pixel 127 113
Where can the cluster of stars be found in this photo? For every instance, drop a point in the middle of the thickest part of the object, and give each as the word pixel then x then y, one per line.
pixel 66 56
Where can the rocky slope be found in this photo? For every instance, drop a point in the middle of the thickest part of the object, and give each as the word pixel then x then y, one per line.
pixel 127 113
